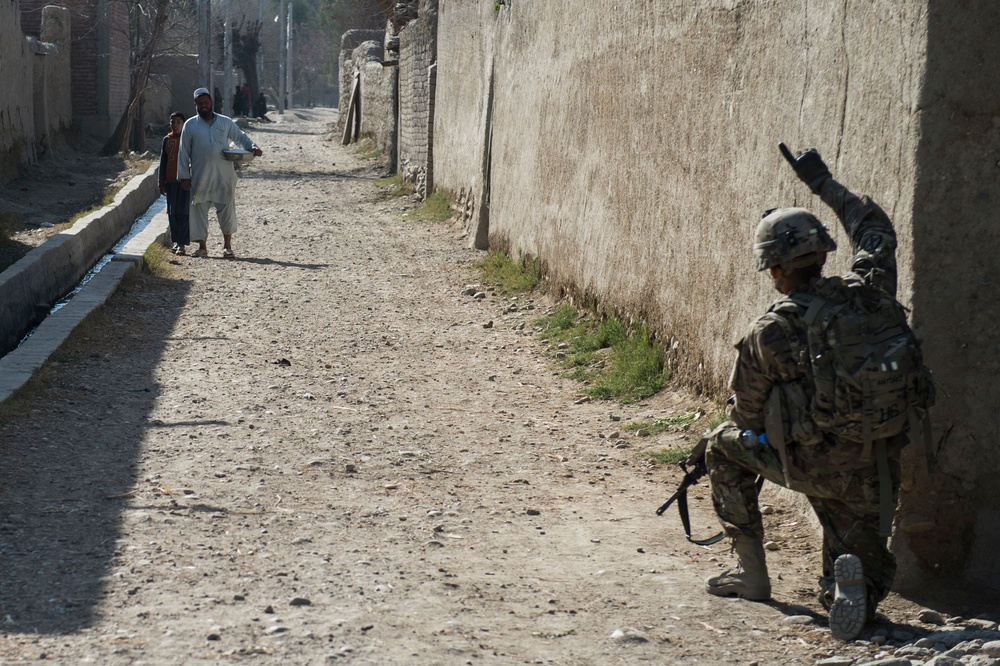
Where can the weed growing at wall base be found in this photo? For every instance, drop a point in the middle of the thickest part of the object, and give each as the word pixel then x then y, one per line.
pixel 395 185
pixel 436 208
pixel 509 276
pixel 616 363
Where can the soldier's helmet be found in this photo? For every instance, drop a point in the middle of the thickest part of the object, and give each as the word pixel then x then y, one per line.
pixel 791 238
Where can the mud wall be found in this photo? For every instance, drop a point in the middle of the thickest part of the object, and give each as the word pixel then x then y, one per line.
pixel 17 127
pixel 632 148
pixel 378 98
pixel 53 108
pixel 349 41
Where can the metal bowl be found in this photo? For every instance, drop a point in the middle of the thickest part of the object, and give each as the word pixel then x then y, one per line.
pixel 238 155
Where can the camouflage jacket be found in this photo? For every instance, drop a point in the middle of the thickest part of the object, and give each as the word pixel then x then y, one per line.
pixel 765 356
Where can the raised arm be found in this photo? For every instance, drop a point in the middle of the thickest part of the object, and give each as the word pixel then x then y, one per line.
pixel 873 239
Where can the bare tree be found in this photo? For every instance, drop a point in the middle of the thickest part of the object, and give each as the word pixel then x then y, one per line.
pixel 147 22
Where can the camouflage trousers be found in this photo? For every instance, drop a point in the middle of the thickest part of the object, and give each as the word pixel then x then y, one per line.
pixel 846 501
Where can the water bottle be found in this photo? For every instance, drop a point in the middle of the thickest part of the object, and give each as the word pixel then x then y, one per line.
pixel 752 440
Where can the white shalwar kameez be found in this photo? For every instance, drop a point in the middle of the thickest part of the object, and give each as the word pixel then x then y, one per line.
pixel 213 178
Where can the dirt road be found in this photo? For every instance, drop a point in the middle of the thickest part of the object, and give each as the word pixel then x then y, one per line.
pixel 324 452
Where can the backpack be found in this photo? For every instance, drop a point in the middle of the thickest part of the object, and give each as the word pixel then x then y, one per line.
pixel 864 377
pixel 864 363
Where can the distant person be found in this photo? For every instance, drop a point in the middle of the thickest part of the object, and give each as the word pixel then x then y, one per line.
pixel 260 107
pixel 202 169
pixel 178 198
pixel 247 100
pixel 238 102
pixel 218 100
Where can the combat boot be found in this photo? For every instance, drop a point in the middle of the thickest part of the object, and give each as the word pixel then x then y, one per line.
pixel 849 609
pixel 748 579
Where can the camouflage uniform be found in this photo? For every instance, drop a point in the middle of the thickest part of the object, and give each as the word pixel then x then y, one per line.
pixel 843 489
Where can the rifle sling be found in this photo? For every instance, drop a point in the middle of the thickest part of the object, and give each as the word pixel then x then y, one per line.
pixel 682 509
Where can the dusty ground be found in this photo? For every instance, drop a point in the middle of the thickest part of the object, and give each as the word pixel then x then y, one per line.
pixel 323 452
pixel 49 194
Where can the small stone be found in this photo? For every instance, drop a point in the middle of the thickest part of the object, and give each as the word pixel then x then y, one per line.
pixel 615 417
pixel 479 295
pixel 944 660
pixel 300 601
pixel 767 510
pixel 488 324
pixel 533 512
pixel 991 649
pixel 350 469
pixel 799 619
pixel 629 635
pixel 902 636
pixel 434 543
pixel 929 616
pixel 976 623
pixel 469 291
pixel 276 629
pixel 582 400
pixel 836 661
pixel 772 545
pixel 642 433
pixel 269 610
pixel 213 637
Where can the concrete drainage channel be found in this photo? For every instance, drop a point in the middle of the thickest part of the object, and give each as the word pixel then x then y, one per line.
pixel 72 274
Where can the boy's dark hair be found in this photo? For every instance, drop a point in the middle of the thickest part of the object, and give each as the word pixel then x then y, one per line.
pixel 177 114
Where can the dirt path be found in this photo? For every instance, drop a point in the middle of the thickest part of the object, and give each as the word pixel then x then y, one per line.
pixel 324 452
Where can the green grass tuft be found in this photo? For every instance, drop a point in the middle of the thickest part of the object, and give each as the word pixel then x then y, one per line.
pixel 662 425
pixel 436 208
pixel 509 276
pixel 615 362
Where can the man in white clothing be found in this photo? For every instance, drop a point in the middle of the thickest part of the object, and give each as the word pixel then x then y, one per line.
pixel 211 178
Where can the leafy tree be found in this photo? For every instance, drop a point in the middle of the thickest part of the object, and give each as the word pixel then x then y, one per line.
pixel 246 44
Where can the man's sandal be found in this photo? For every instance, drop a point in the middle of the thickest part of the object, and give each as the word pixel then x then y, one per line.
pixel 200 252
pixel 228 254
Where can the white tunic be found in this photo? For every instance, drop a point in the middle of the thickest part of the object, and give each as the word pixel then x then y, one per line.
pixel 213 178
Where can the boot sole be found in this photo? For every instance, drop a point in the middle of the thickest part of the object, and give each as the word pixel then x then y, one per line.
pixel 847 612
pixel 739 590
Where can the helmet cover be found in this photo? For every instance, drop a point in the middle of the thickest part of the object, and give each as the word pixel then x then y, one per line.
pixel 791 238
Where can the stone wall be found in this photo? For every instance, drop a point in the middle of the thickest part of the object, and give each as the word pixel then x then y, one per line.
pixel 633 147
pixel 17 126
pixel 417 65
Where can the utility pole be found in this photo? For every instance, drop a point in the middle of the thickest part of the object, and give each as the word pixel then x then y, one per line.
pixel 281 58
pixel 205 43
pixel 288 67
pixel 260 47
pixel 227 75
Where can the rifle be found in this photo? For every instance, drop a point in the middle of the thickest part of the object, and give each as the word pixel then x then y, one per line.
pixel 691 477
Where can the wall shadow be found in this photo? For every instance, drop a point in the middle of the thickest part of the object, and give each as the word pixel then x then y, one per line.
pixel 948 533
pixel 70 444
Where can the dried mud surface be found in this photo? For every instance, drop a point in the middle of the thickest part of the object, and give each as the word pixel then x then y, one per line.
pixel 323 452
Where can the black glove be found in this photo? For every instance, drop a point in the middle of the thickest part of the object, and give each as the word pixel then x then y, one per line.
pixel 809 167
